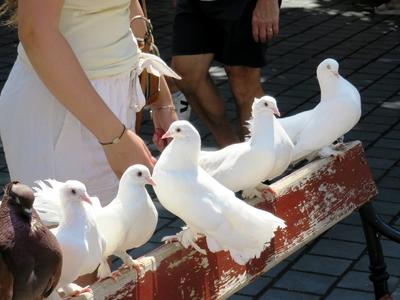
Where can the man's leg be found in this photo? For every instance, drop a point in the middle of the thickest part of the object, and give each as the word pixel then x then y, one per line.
pixel 245 85
pixel 203 95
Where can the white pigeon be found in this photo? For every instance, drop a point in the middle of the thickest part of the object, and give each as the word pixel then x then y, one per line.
pixel 129 220
pixel 264 156
pixel 80 241
pixel 48 204
pixel 339 110
pixel 206 206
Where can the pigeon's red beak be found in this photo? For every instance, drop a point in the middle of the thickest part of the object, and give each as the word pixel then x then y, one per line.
pixel 150 180
pixel 86 198
pixel 166 135
pixel 276 111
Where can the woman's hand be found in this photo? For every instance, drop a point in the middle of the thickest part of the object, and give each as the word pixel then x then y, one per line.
pixel 162 116
pixel 130 150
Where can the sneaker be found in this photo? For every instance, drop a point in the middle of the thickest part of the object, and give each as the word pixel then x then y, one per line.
pixel 390 8
pixel 181 105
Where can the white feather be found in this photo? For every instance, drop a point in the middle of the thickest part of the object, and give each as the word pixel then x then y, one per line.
pixel 338 112
pixel 81 243
pixel 265 155
pixel 127 222
pixel 48 204
pixel 205 205
pixel 130 219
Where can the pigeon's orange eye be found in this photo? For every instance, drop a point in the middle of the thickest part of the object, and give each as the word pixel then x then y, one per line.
pixel 139 174
pixel 178 130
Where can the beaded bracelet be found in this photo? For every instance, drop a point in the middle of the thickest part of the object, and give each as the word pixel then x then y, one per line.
pixel 170 107
pixel 162 107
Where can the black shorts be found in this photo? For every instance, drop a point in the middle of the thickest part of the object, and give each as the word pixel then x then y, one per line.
pixel 197 30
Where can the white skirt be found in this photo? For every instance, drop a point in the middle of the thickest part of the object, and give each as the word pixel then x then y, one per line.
pixel 43 140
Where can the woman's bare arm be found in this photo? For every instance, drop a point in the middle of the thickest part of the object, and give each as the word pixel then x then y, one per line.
pixel 162 118
pixel 59 69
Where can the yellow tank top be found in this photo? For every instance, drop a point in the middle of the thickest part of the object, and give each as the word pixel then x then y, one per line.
pixel 100 35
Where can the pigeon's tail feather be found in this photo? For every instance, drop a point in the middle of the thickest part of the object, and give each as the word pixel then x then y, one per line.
pixel 213 245
pixel 104 270
pixel 240 257
pixel 255 228
pixel 250 127
pixel 47 201
pixel 264 224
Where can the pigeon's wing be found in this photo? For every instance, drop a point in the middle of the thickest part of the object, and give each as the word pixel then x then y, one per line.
pixel 52 284
pixel 6 279
pixel 47 201
pixel 293 125
pixel 213 161
pixel 110 226
pixel 228 222
pixel 225 164
pixel 326 125
pixel 48 204
pixel 74 255
pixel 283 149
pixel 205 213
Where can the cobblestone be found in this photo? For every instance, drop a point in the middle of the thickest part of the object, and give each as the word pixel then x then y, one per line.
pixel 367 46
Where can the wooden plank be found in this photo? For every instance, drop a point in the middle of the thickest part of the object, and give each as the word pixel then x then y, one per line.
pixel 310 200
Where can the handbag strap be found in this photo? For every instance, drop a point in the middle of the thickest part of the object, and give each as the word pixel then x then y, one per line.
pixel 144 7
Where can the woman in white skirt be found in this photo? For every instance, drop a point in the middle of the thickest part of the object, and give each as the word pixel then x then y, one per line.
pixel 67 110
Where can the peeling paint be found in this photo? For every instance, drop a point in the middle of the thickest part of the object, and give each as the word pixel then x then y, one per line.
pixel 311 200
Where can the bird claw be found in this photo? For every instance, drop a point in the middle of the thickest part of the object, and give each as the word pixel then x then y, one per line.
pixel 332 150
pixel 187 238
pixel 136 265
pixel 116 275
pixel 263 191
pixel 269 194
pixel 169 239
pixel 251 193
pixel 77 291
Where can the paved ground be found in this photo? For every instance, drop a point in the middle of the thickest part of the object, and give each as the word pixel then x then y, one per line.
pixel 335 266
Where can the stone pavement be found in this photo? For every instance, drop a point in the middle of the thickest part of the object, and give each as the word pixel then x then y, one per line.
pixel 335 266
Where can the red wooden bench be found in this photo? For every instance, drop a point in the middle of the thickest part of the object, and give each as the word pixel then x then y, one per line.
pixel 311 200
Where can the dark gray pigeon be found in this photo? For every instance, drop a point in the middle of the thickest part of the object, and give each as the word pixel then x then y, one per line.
pixel 30 257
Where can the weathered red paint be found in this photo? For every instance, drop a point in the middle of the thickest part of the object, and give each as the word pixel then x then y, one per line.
pixel 310 200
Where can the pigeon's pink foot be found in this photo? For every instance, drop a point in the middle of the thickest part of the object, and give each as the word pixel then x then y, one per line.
pixel 169 239
pixel 116 275
pixel 269 194
pixel 186 237
pixel 76 292
pixel 131 263
pixel 137 266
pixel 332 150
pixel 262 190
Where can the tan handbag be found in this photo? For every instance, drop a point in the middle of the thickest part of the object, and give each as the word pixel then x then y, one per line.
pixel 150 83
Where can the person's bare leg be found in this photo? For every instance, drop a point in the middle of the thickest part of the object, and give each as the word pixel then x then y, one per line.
pixel 203 96
pixel 245 85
